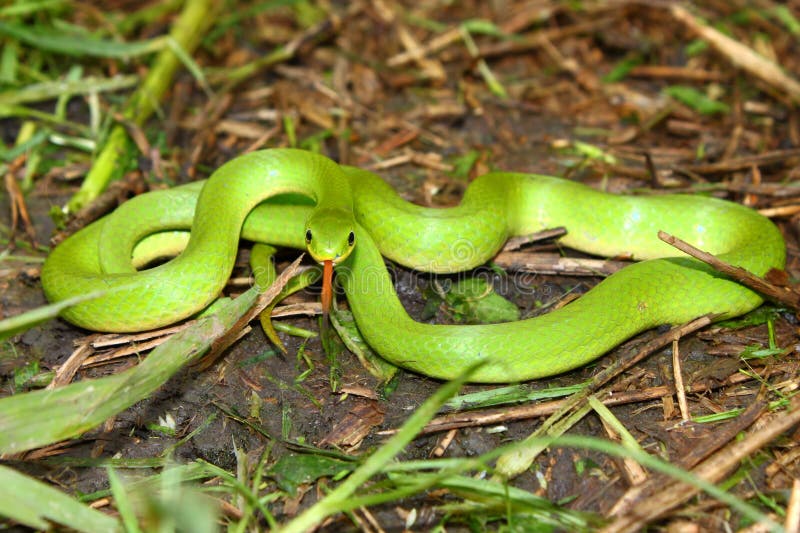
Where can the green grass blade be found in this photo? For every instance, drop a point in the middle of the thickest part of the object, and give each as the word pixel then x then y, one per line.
pixel 42 417
pixel 36 504
pixel 655 463
pixel 186 33
pixel 80 45
pixel 38 418
pixel 48 90
pixel 17 324
pixel 21 9
pixel 373 464
pixel 697 100
pixel 123 502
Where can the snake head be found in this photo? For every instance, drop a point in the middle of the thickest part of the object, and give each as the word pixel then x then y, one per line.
pixel 330 237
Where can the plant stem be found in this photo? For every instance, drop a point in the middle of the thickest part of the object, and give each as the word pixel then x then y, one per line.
pixel 113 159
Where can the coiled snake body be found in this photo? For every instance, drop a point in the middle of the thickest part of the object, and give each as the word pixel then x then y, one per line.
pixel 357 218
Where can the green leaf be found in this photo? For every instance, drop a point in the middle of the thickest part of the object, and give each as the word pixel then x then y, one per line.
pixel 293 470
pixel 621 69
pixel 25 373
pixel 760 316
pixel 593 152
pixel 756 351
pixel 474 301
pixel 785 17
pixel 484 27
pixel 345 325
pixel 717 417
pixel 464 163
pixel 696 47
pixel 511 394
pixel 696 100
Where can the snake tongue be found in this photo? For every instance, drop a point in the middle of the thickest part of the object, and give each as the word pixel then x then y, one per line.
pixel 327 286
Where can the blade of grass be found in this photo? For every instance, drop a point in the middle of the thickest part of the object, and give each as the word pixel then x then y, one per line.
pixel 36 505
pixel 654 463
pixel 628 440
pixel 373 464
pixel 43 417
pixel 488 76
pixel 53 40
pixel 123 502
pixel 518 460
pixel 195 471
pixel 19 9
pixel 696 100
pixel 241 489
pixel 17 324
pixel 195 19
pixel 48 90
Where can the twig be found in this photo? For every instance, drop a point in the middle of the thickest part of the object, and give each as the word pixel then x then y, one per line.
pixel 263 300
pixel 554 264
pixel 19 210
pixel 745 162
pixel 673 72
pixel 116 339
pixel 739 274
pixel 780 211
pixel 515 243
pixel 671 494
pixel 792 522
pixel 67 371
pixel 680 390
pixel 740 55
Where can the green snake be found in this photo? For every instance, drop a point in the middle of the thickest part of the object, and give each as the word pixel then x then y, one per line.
pixel 354 219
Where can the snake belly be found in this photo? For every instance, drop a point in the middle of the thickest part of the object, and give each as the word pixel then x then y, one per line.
pixel 661 289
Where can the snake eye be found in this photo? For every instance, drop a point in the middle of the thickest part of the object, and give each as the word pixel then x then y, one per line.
pixel 308 236
pixel 351 239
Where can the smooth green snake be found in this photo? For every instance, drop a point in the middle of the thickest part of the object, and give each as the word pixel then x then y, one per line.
pixel 357 218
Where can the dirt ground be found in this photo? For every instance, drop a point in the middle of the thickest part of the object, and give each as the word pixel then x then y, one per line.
pixel 408 91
